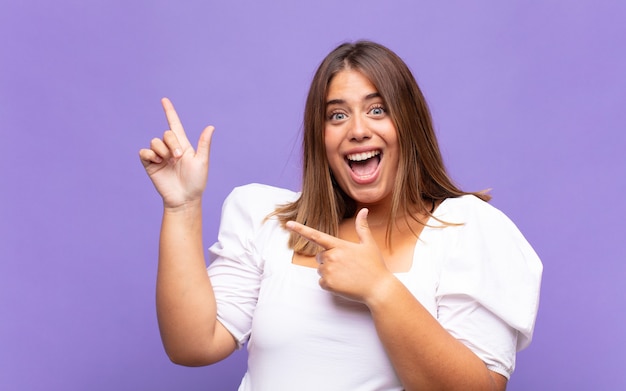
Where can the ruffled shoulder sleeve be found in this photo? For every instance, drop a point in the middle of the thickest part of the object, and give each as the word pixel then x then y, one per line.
pixel 235 264
pixel 489 281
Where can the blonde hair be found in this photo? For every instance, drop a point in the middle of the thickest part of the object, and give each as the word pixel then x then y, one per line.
pixel 421 179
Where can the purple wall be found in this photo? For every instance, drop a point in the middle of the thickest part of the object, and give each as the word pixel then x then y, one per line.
pixel 528 98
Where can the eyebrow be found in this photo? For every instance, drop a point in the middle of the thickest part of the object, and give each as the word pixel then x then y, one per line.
pixel 342 101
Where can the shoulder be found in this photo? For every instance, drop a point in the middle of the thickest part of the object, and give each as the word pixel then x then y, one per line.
pixel 489 261
pixel 480 233
pixel 246 211
pixel 468 204
pixel 257 192
pixel 469 209
pixel 258 200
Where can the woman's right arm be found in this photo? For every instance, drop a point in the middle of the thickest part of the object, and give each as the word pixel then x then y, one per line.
pixel 186 307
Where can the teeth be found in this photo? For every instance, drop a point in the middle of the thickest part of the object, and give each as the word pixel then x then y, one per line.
pixel 357 157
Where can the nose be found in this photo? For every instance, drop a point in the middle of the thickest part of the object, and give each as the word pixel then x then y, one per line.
pixel 359 129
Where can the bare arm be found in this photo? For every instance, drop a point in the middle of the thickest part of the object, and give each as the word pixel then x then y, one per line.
pixel 424 355
pixel 186 307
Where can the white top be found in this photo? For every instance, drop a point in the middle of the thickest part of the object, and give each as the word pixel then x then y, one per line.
pixel 480 279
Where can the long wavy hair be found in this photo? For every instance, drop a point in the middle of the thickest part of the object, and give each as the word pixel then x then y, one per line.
pixel 421 180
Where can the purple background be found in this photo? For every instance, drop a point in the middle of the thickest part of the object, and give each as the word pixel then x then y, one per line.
pixel 528 99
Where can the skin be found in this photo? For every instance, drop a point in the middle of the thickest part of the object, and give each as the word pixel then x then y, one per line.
pixel 186 307
pixel 357 264
pixel 356 122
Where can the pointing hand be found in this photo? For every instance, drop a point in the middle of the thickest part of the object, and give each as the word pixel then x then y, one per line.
pixel 177 171
pixel 352 270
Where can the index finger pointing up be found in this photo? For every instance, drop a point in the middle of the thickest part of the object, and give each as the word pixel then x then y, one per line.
pixel 174 122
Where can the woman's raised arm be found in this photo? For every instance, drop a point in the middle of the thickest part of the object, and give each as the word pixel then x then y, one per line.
pixel 186 307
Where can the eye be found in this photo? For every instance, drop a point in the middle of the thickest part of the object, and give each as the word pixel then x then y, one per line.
pixel 337 116
pixel 377 111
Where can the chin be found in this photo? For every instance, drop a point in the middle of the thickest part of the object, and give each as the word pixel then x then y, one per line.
pixel 365 198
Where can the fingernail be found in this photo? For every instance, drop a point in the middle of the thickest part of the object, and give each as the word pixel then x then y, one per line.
pixel 177 152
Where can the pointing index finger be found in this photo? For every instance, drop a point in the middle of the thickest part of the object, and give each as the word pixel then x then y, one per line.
pixel 320 238
pixel 173 121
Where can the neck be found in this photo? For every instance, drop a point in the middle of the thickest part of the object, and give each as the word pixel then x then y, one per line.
pixel 379 215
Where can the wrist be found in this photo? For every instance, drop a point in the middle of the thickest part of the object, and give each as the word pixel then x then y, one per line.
pixel 383 292
pixel 183 208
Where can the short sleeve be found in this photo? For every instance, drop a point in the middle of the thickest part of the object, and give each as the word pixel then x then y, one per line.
pixel 488 293
pixel 236 268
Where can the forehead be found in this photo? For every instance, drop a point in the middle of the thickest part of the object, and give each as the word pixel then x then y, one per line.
pixel 349 83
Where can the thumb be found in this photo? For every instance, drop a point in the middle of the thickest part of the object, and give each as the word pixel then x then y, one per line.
pixel 204 142
pixel 362 227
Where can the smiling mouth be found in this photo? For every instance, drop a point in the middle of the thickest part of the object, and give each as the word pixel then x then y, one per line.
pixel 364 164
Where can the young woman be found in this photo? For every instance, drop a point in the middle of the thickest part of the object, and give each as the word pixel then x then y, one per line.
pixel 379 275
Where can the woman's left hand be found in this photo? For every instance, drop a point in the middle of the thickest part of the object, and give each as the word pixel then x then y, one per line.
pixel 356 271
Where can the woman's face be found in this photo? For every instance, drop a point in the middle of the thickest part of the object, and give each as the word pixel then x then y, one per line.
pixel 360 139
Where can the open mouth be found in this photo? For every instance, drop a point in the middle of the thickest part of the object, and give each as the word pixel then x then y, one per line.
pixel 364 164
